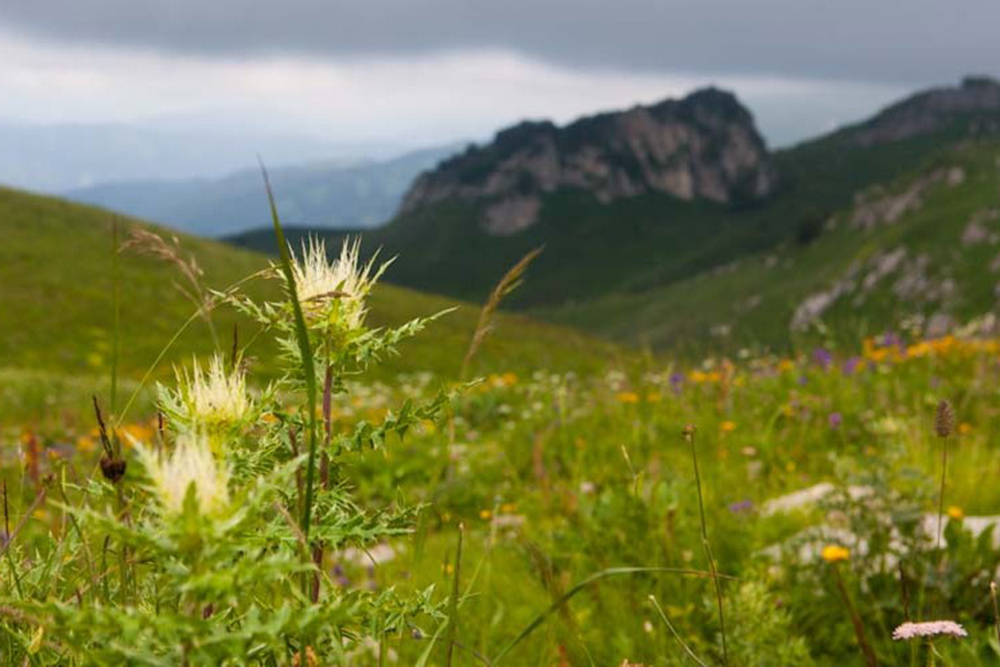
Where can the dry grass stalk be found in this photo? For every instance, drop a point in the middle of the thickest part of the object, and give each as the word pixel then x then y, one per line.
pixel 510 282
pixel 150 244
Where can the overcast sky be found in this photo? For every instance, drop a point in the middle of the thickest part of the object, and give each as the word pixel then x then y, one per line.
pixel 420 72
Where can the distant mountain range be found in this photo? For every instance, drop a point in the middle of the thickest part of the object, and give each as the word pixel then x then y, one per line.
pixel 358 193
pixel 57 158
pixel 641 209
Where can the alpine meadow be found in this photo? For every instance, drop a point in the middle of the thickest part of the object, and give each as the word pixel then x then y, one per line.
pixel 613 335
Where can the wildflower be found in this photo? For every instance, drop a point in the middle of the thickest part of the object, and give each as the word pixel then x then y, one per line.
pixel 835 420
pixel 190 464
pixel 908 631
pixel 335 292
pixel 965 428
pixel 834 553
pixel 956 513
pixel 727 426
pixel 740 507
pixel 210 398
pixel 628 397
pixel 823 358
pixel 851 365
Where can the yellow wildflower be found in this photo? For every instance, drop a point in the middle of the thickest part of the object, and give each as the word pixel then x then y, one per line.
pixel 965 428
pixel 956 513
pixel 834 553
pixel 727 426
pixel 628 397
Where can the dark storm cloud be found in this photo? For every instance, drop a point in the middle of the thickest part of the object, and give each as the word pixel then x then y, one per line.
pixel 899 41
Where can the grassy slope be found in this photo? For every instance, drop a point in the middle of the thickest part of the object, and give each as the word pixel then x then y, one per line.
pixel 55 303
pixel 782 279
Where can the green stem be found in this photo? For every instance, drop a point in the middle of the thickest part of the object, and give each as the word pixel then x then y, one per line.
pixel 689 434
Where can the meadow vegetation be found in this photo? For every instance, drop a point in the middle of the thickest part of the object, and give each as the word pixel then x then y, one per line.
pixel 557 502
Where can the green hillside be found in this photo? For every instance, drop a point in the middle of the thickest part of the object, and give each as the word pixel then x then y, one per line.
pixel 923 251
pixel 56 303
pixel 629 250
pixel 658 270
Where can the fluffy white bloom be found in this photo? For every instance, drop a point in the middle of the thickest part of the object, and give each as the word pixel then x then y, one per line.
pixel 338 289
pixel 928 629
pixel 212 396
pixel 190 463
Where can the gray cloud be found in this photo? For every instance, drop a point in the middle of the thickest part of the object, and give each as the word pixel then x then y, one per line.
pixel 885 41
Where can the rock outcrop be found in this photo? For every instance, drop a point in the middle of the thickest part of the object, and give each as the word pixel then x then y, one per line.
pixel 934 110
pixel 703 146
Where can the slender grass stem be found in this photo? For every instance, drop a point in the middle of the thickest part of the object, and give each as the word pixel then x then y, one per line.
pixel 859 628
pixel 996 609
pixel 688 433
pixel 582 585
pixel 944 477
pixel 673 631
pixel 453 601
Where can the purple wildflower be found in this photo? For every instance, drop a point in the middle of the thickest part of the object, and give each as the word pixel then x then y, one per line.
pixel 835 420
pixel 677 382
pixel 823 358
pixel 740 507
pixel 851 365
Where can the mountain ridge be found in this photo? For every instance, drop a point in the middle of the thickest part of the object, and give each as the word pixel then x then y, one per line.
pixel 704 145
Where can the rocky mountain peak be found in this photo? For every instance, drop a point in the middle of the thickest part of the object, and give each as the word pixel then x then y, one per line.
pixel 934 109
pixel 702 146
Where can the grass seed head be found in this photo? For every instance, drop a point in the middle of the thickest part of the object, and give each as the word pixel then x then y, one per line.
pixel 944 419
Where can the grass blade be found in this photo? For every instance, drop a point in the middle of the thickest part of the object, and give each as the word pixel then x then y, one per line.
pixel 305 349
pixel 453 602
pixel 603 574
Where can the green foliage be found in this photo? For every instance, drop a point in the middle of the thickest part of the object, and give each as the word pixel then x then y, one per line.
pixel 764 634
pixel 196 555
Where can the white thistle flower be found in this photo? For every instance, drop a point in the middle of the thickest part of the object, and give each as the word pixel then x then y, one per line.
pixel 928 629
pixel 211 397
pixel 190 463
pixel 337 290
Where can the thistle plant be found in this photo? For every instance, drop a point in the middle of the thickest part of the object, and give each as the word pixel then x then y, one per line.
pixel 216 544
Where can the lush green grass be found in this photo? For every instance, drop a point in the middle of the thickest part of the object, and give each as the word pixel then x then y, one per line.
pixel 557 477
pixel 56 301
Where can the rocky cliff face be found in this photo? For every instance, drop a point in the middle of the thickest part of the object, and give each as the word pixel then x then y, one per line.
pixel 976 100
pixel 703 146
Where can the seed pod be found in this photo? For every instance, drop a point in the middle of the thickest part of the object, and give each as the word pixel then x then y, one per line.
pixel 688 431
pixel 944 419
pixel 112 469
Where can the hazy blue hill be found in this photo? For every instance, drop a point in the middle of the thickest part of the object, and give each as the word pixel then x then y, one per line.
pixel 57 158
pixel 344 194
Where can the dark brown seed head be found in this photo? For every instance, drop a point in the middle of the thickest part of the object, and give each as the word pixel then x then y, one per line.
pixel 112 469
pixel 944 419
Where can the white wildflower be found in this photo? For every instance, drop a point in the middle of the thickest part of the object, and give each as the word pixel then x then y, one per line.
pixel 209 397
pixel 928 629
pixel 190 463
pixel 336 290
